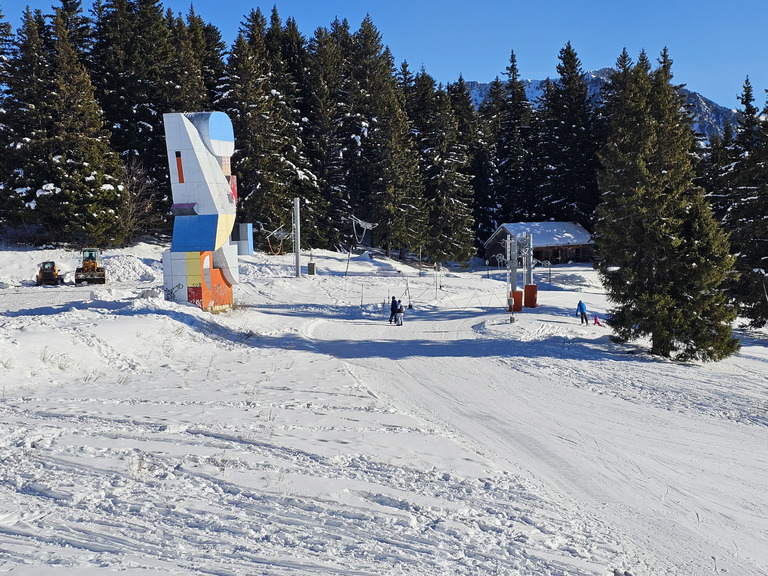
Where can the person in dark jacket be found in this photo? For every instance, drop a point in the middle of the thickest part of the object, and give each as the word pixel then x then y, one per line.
pixel 392 310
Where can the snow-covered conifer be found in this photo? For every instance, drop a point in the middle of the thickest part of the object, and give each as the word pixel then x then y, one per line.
pixel 663 257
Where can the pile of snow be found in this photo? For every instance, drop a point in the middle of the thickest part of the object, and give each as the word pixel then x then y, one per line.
pixel 129 268
pixel 301 433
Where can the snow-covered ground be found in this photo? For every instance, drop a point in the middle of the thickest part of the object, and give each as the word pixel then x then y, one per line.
pixel 301 433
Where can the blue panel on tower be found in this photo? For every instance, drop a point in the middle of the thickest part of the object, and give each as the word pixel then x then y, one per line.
pixel 194 233
pixel 247 236
pixel 220 127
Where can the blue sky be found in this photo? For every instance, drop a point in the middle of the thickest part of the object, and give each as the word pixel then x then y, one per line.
pixel 714 45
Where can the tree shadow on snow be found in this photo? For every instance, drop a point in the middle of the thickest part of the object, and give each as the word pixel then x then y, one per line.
pixel 470 340
pixel 397 342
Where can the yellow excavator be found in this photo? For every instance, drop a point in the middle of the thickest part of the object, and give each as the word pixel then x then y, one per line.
pixel 91 271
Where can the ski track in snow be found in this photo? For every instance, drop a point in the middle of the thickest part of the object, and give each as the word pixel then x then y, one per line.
pixel 300 433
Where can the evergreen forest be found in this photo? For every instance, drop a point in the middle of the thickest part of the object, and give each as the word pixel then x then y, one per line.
pixel 680 222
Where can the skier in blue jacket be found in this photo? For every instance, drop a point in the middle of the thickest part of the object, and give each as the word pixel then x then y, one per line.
pixel 581 310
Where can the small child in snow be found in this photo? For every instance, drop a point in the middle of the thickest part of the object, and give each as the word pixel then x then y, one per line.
pixel 597 321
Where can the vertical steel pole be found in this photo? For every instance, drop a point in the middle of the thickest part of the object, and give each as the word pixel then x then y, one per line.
pixel 513 253
pixel 297 236
pixel 508 256
pixel 529 259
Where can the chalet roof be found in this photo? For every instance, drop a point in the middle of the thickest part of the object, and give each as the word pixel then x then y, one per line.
pixel 545 234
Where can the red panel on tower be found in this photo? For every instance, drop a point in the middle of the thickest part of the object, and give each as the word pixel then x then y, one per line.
pixel 179 169
pixel 233 186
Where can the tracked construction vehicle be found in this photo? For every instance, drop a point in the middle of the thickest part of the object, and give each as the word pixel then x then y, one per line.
pixel 48 274
pixel 91 271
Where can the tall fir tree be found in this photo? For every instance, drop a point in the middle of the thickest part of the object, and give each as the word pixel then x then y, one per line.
pixel 112 70
pixel 443 161
pixel 286 61
pixel 715 172
pixel 85 176
pixel 567 185
pixel 151 62
pixel 480 168
pixel 398 205
pixel 350 119
pixel 66 176
pixel 747 135
pixel 132 65
pixel 489 205
pixel 323 139
pixel 268 162
pixel 78 26
pixel 6 44
pixel 379 162
pixel 186 91
pixel 663 256
pixel 746 210
pixel 514 146
pixel 245 101
pixel 368 75
pixel 25 119
pixel 209 50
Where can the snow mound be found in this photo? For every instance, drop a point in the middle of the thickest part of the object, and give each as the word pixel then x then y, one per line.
pixel 128 268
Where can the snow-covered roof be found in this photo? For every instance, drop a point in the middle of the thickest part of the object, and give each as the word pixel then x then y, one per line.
pixel 547 233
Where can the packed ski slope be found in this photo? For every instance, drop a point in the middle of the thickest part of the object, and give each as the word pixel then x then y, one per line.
pixel 300 433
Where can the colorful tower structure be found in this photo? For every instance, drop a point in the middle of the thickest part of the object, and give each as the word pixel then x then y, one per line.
pixel 201 266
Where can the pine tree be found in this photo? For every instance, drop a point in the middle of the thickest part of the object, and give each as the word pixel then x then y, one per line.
pixel 268 163
pixel 727 161
pixel 186 91
pixel 479 169
pixel 746 217
pixel 209 50
pixel 350 119
pixel 85 175
pixel 323 139
pixel 489 214
pixel 286 59
pixel 715 171
pixel 132 63
pixel 66 177
pixel 514 148
pixel 567 188
pixel 25 118
pixel 381 185
pixel 398 205
pixel 245 102
pixel 6 44
pixel 151 60
pixel 663 257
pixel 369 76
pixel 78 26
pixel 112 71
pixel 747 137
pixel 443 162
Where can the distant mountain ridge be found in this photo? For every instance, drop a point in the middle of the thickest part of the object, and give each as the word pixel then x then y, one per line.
pixel 710 118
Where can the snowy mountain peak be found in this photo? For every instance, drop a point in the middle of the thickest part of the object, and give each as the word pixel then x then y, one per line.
pixel 709 117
